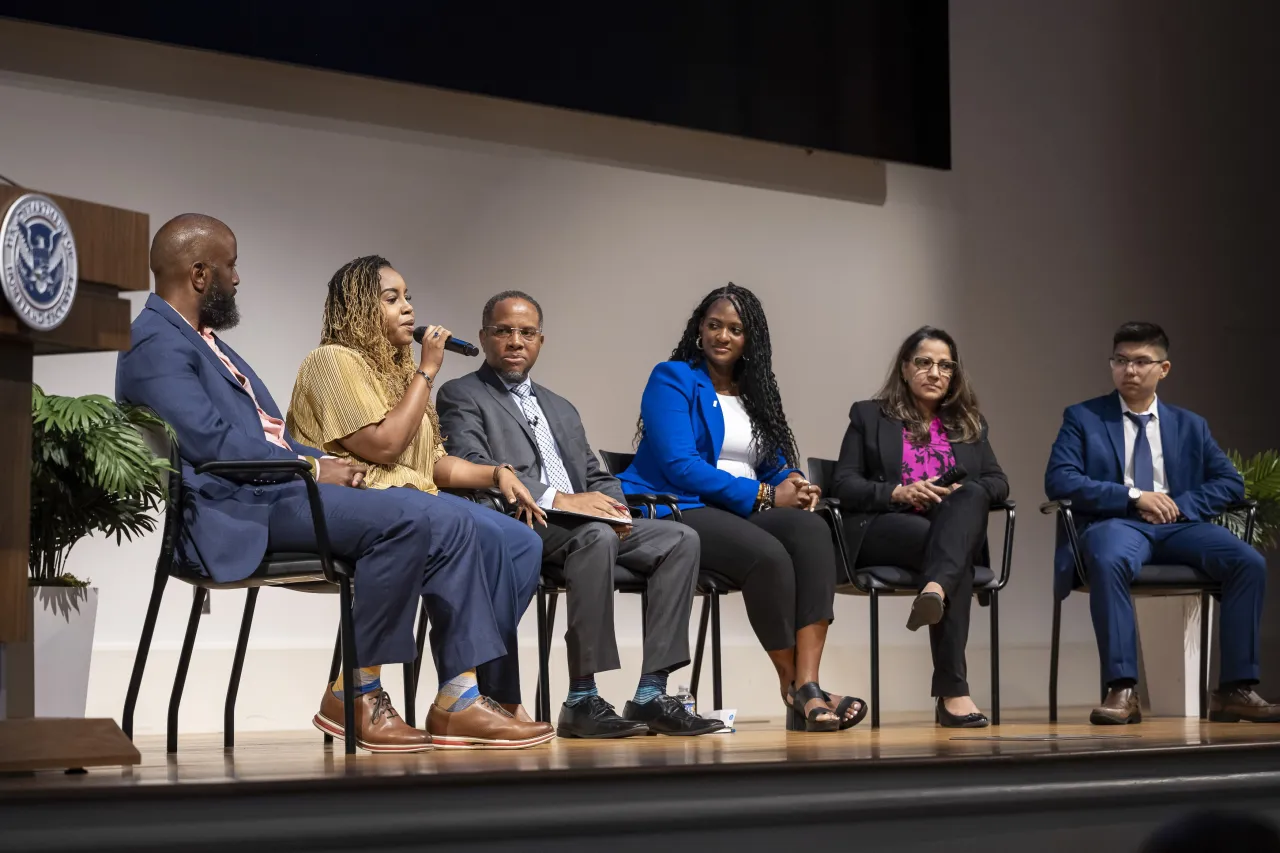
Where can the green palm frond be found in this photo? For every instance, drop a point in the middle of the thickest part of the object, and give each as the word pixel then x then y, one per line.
pixel 91 472
pixel 1261 474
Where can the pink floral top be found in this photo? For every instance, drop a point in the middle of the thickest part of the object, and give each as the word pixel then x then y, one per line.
pixel 920 462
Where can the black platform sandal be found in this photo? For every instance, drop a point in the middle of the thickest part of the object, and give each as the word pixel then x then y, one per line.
pixel 799 721
pixel 845 704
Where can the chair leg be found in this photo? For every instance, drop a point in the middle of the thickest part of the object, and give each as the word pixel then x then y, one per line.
pixel 333 669
pixel 347 626
pixel 644 616
pixel 701 645
pixel 539 700
pixel 1206 616
pixel 1053 659
pixel 995 659
pixel 553 599
pixel 875 660
pixel 144 649
pixel 237 667
pixel 717 668
pixel 413 669
pixel 184 661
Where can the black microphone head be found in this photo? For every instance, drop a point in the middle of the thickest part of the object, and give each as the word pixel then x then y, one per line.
pixel 418 333
pixel 461 347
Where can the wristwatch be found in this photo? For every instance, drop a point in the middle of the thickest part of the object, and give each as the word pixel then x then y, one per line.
pixel 1134 494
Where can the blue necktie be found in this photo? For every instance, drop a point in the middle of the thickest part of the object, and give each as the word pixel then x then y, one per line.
pixel 552 464
pixel 1144 469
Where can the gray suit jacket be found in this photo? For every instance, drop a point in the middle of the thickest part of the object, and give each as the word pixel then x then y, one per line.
pixel 481 423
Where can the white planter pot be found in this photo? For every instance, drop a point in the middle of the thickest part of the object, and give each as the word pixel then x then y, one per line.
pixel 62 646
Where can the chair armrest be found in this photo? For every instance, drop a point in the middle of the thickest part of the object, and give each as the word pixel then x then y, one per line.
pixel 489 496
pixel 650 502
pixel 1050 507
pixel 256 466
pixel 829 509
pixel 1249 507
pixel 298 468
pixel 1237 506
pixel 1068 522
pixel 1009 508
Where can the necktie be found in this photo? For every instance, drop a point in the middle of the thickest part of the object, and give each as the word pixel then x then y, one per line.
pixel 1144 469
pixel 552 464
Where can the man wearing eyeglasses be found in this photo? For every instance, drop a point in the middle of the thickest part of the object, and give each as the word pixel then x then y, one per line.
pixel 498 413
pixel 1146 481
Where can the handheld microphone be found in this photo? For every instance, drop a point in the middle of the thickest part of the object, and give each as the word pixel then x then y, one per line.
pixel 452 344
pixel 951 476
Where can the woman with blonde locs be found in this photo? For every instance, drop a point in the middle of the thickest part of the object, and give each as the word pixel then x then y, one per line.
pixel 360 395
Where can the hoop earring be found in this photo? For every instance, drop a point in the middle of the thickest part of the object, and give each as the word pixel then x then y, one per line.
pixel 698 342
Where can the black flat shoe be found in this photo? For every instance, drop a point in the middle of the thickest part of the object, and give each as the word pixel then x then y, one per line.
pixel 666 715
pixel 927 609
pixel 948 720
pixel 593 717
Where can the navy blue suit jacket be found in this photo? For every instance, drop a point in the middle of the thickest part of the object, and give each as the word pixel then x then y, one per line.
pixel 1086 466
pixel 683 435
pixel 172 370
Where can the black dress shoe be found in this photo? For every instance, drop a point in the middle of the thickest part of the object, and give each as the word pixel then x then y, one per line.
pixel 948 720
pixel 593 717
pixel 666 715
pixel 927 609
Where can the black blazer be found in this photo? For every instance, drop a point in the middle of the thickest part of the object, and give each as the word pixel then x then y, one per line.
pixel 870 468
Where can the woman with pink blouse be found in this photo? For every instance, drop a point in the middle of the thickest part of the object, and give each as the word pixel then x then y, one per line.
pixel 923 424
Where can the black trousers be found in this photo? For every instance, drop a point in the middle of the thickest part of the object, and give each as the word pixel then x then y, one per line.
pixel 939 546
pixel 782 559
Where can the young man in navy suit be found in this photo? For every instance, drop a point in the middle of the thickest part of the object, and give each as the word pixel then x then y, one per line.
pixel 1146 481
pixel 405 544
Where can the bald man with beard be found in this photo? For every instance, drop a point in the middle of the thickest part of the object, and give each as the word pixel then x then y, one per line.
pixel 405 545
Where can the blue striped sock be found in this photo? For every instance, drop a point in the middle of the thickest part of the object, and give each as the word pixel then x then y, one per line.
pixel 459 693
pixel 367 680
pixel 581 688
pixel 651 686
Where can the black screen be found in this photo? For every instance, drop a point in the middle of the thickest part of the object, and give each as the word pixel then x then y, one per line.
pixel 867 77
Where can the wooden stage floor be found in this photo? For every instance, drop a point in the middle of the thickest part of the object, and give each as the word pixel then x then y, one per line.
pixel 302 756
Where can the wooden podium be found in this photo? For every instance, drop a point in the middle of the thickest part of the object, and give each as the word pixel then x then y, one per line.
pixel 111 245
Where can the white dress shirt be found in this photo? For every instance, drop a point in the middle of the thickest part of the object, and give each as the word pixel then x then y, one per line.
pixel 736 456
pixel 548 498
pixel 1153 438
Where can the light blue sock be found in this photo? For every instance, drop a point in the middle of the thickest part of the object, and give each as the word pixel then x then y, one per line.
pixel 581 688
pixel 651 686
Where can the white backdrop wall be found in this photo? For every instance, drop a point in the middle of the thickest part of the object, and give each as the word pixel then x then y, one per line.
pixel 1095 174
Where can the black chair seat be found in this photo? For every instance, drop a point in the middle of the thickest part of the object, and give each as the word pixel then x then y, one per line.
pixel 710 582
pixel 1168 580
pixel 300 572
pixel 897 580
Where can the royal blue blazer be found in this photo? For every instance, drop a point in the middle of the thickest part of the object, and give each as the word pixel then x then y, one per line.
pixel 683 435
pixel 1086 466
pixel 170 369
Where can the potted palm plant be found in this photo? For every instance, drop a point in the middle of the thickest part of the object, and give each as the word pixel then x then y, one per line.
pixel 91 472
pixel 1261 483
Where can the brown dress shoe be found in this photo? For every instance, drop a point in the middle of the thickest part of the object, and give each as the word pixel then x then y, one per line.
pixel 1242 704
pixel 484 725
pixel 378 727
pixel 1121 706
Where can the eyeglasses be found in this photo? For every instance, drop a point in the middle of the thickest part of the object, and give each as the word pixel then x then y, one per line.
pixel 924 364
pixel 1119 362
pixel 502 333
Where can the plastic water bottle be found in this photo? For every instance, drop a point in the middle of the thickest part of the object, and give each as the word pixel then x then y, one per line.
pixel 684 697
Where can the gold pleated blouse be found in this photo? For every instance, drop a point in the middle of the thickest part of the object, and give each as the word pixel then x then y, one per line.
pixel 336 394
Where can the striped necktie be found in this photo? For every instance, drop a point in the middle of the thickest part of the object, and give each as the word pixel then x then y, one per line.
pixel 552 464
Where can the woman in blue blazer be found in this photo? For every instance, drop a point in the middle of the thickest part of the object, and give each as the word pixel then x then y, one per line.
pixel 712 432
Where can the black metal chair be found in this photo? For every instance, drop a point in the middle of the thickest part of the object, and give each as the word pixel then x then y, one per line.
pixel 302 572
pixel 877 581
pixel 711 586
pixel 1152 580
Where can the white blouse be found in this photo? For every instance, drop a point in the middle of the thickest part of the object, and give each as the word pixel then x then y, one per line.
pixel 737 455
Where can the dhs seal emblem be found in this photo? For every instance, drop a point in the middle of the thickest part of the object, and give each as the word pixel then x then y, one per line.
pixel 38 262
